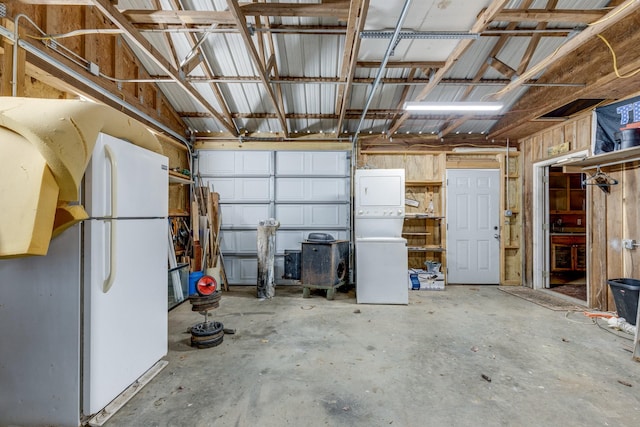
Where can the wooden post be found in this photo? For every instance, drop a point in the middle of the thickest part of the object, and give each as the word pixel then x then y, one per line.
pixel 266 257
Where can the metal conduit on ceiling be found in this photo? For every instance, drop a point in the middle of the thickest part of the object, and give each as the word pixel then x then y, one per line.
pixel 383 64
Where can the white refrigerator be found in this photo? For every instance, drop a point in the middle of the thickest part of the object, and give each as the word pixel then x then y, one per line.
pixel 81 324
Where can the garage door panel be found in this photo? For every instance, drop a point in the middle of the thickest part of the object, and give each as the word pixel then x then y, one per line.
pixel 311 189
pixel 240 270
pixel 238 241
pixel 241 190
pixel 243 215
pixel 234 163
pixel 312 216
pixel 326 163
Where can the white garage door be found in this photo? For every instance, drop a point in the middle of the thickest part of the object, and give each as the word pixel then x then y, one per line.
pixel 307 191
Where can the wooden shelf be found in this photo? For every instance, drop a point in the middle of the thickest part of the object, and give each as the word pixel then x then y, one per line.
pixel 420 216
pixel 178 178
pixel 607 159
pixel 425 249
pixel 422 183
pixel 178 213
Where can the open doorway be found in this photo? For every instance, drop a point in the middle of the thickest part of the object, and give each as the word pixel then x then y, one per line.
pixel 559 229
pixel 567 233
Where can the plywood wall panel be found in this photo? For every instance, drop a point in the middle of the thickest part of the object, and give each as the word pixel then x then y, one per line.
pixel 597 247
pixel 631 212
pixel 527 148
pixel 557 136
pixel 583 132
pixel 536 143
pixel 615 231
pixel 570 131
pixel 512 268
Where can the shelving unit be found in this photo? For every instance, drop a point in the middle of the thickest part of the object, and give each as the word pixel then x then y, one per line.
pixel 423 225
pixel 568 253
pixel 566 194
pixel 178 178
pixel 425 174
pixel 179 189
pixel 567 216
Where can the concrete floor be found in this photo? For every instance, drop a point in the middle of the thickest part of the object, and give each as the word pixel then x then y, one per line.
pixel 466 356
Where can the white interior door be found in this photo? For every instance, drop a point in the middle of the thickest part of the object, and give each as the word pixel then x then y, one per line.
pixel 473 232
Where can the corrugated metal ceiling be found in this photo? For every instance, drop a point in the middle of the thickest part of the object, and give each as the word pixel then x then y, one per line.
pixel 308 75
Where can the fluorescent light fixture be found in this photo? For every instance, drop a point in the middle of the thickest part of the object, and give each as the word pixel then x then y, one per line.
pixel 453 107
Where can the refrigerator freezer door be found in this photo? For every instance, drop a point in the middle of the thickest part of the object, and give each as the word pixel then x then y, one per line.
pixel 141 178
pixel 40 336
pixel 126 327
pixel 381 267
pixel 125 274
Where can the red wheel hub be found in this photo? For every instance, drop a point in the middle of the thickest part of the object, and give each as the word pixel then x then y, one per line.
pixel 206 285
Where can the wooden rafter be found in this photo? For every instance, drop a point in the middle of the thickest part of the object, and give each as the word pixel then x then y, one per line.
pixel 355 24
pixel 178 17
pixel 272 64
pixel 546 15
pixel 208 17
pixel 611 18
pixel 405 93
pixel 339 10
pixel 167 39
pixel 590 62
pixel 208 73
pixel 451 126
pixel 107 9
pixel 481 23
pixel 241 22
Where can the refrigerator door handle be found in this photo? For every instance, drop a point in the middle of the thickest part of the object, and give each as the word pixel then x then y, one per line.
pixel 114 214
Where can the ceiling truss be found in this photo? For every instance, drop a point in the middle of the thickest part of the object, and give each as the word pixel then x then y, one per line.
pixel 257 23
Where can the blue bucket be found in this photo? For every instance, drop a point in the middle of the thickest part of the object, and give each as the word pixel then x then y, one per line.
pixel 193 279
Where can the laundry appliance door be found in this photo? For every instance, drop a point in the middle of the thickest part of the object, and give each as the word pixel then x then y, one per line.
pixel 381 269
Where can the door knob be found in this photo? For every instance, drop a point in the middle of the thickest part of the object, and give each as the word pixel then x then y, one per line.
pixel 497 236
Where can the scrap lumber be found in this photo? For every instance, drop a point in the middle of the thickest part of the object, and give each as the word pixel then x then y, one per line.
pixel 196 259
pixel 206 233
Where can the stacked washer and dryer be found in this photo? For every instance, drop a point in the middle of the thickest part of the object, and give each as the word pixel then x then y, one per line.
pixel 381 252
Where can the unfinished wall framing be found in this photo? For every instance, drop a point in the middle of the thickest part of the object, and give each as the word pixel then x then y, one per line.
pixel 425 183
